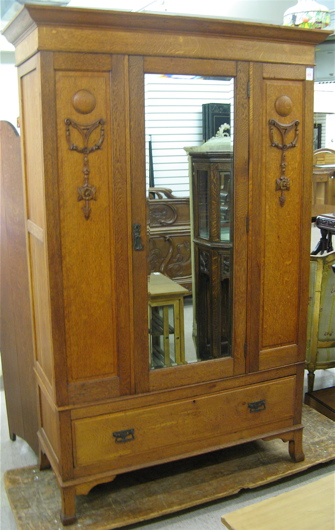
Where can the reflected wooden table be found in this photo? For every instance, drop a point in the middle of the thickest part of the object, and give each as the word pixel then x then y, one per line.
pixel 165 293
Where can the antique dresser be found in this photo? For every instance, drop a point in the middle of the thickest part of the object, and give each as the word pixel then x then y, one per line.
pixel 103 409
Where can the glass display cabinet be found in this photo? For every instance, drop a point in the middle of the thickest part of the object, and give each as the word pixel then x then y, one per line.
pixel 106 406
pixel 212 176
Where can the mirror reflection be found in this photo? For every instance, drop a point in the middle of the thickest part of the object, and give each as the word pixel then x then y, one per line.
pixel 189 125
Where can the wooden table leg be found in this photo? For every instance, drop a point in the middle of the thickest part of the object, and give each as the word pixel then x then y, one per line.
pixel 166 336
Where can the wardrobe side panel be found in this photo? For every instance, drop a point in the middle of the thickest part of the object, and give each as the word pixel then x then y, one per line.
pixel 35 206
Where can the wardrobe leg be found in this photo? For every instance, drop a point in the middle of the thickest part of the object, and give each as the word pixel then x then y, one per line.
pixel 295 447
pixel 43 461
pixel 68 513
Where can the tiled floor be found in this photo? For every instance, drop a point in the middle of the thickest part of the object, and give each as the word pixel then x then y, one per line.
pixel 208 517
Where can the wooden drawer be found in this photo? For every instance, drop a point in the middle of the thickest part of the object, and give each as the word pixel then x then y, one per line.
pixel 177 428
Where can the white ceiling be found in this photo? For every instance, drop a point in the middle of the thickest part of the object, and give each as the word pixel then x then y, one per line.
pixel 265 11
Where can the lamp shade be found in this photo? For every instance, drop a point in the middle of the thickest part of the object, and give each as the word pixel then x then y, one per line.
pixel 307 14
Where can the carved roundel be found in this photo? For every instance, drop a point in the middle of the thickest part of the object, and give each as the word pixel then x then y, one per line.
pixel 83 101
pixel 284 105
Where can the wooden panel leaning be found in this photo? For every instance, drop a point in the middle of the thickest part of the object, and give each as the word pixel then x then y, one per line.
pixel 16 326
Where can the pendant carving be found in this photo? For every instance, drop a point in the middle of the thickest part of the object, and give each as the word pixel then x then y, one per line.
pixel 283 183
pixel 86 192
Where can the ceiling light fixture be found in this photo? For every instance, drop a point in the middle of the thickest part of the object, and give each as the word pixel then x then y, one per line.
pixel 307 14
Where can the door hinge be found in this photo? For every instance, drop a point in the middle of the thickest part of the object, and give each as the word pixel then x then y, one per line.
pixel 247 224
pixel 245 349
pixel 248 89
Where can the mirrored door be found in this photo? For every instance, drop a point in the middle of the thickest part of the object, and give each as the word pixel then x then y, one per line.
pixel 189 128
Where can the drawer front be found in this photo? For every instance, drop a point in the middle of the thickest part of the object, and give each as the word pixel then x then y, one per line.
pixel 124 435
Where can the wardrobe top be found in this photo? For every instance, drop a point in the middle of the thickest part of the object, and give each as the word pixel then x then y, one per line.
pixel 57 28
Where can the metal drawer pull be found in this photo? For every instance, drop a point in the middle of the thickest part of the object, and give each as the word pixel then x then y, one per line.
pixel 124 436
pixel 257 406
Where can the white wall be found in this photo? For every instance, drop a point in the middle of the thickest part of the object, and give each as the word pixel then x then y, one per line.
pixel 330 131
pixel 324 97
pixel 324 112
pixel 9 98
pixel 173 117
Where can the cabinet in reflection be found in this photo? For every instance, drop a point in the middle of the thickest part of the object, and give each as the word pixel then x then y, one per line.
pixel 212 186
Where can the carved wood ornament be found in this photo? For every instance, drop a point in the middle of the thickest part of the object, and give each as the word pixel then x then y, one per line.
pixel 84 102
pixel 283 106
pixel 173 262
pixel 163 214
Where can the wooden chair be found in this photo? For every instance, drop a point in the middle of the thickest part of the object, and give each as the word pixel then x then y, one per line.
pixel 323 198
pixel 320 351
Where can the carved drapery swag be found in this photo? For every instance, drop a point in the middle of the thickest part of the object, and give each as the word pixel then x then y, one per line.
pixel 86 192
pixel 283 183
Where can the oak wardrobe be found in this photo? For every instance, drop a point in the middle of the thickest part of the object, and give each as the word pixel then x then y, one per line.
pixel 105 408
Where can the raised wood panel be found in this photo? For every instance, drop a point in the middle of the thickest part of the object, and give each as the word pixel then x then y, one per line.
pixel 88 270
pixel 282 224
pixel 31 110
pixel 41 308
pixel 284 71
pixel 279 356
pixel 33 146
pixel 82 62
pixel 49 425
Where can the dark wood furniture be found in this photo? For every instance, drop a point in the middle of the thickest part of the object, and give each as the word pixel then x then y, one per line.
pixel 213 116
pixel 322 400
pixel 213 192
pixel 16 340
pixel 169 235
pixel 103 411
pixel 320 347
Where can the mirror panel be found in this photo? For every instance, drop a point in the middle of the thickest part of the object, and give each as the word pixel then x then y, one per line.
pixel 189 124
